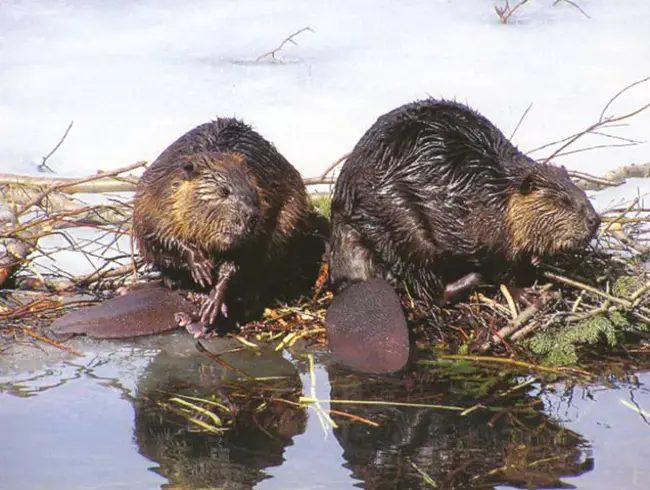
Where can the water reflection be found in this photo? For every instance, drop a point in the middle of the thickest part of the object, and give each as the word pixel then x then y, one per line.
pixel 236 458
pixel 521 449
pixel 513 443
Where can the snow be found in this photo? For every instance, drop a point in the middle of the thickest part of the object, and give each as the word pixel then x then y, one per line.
pixel 134 75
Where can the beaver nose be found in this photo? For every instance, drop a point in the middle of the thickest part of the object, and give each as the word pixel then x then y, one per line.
pixel 253 213
pixel 593 222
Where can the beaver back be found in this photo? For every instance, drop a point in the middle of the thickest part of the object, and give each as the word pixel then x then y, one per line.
pixel 433 191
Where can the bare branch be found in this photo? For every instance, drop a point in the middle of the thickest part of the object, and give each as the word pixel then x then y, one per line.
pixel 46 192
pixel 43 166
pixel 288 39
pixel 521 119
pixel 573 4
pixel 506 11
pixel 619 93
pixel 72 186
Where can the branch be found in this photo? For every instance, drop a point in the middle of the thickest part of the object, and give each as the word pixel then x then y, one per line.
pixel 573 4
pixel 71 186
pixel 37 200
pixel 602 122
pixel 43 165
pixel 506 11
pixel 286 40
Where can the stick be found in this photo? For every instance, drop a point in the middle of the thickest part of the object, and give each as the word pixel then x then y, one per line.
pixel 53 188
pixel 286 40
pixel 45 158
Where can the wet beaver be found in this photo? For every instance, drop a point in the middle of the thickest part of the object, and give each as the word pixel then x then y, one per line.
pixel 222 212
pixel 435 198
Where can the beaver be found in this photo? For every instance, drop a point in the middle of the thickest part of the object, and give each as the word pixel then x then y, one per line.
pixel 223 213
pixel 435 199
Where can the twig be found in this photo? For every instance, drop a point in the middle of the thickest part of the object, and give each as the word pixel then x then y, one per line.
pixel 318 180
pixel 506 11
pixel 70 186
pixel 521 319
pixel 619 93
pixel 606 228
pixel 513 362
pixel 34 335
pixel 599 124
pixel 587 287
pixel 521 119
pixel 573 4
pixel 53 188
pixel 336 163
pixel 43 165
pixel 288 39
pixel 594 180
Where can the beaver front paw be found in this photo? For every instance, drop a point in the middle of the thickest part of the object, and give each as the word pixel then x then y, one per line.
pixel 199 264
pixel 455 289
pixel 214 303
pixel 196 328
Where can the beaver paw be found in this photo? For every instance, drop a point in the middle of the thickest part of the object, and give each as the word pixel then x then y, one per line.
pixel 461 286
pixel 196 328
pixel 200 266
pixel 201 271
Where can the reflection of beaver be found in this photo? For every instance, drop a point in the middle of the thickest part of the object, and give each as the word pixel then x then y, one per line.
pixel 434 195
pixel 481 449
pixel 220 210
pixel 259 427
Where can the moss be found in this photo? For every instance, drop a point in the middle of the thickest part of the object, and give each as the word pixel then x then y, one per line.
pixel 322 203
pixel 625 286
pixel 560 348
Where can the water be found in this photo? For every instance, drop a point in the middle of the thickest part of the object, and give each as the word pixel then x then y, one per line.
pixel 97 422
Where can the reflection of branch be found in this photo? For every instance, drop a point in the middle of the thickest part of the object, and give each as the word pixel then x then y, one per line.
pixel 43 166
pixel 286 40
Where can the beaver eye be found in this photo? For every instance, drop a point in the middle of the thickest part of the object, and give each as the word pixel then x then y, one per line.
pixel 527 185
pixel 189 169
pixel 224 192
pixel 566 201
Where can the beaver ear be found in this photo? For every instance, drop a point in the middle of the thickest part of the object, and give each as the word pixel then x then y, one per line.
pixel 189 169
pixel 527 185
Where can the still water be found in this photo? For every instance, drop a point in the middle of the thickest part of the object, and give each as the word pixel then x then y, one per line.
pixel 105 421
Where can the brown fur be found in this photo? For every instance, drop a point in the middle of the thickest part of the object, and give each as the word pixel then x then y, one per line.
pixel 434 194
pixel 221 193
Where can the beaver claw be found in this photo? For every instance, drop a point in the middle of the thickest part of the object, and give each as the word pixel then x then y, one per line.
pixel 200 265
pixel 197 329
pixel 214 302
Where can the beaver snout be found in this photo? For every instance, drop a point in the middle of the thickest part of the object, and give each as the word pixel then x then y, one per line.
pixel 593 220
pixel 252 215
